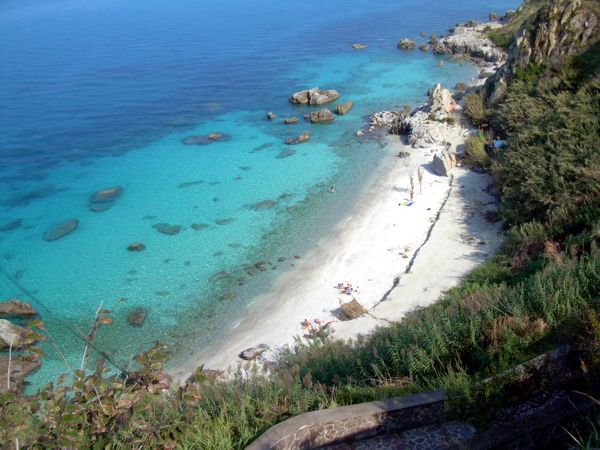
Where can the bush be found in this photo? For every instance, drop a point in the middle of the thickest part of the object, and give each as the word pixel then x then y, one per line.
pixel 474 107
pixel 475 155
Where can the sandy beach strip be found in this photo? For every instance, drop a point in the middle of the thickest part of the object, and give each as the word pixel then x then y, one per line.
pixel 370 248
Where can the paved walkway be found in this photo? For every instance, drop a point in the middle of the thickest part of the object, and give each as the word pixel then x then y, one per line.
pixel 430 437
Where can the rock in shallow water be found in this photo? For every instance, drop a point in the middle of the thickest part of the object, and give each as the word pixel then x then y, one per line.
pixel 105 198
pixel 265 204
pixel 17 308
pixel 136 247
pixel 314 96
pixel 322 116
pixel 344 108
pixel 137 317
pixel 407 44
pixel 286 153
pixel 166 228
pixel 13 225
pixel 291 120
pixel 61 230
pixel 205 140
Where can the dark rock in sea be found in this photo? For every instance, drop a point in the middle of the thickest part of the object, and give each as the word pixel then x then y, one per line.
pixel 254 352
pixel 262 147
pixel 322 116
pixel 245 168
pixel 206 140
pixel 149 217
pixel 291 120
pixel 271 116
pixel 224 221
pixel 214 183
pixel 265 204
pixel 344 108
pixel 261 265
pixel 285 196
pixel 188 184
pixel 218 253
pixel 13 225
pixel 234 245
pixel 359 46
pixel 19 274
pixel 281 259
pixel 162 293
pixel 297 256
pixel 237 178
pixel 17 308
pixel 314 96
pixel 166 228
pixel 105 198
pixel 425 47
pixel 286 153
pixel 220 276
pixel 137 317
pixel 407 44
pixel 136 247
pixel 61 230
pixel 199 226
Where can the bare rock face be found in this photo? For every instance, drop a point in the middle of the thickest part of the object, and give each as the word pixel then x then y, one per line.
pixel 291 120
pixel 9 332
pixel 344 108
pixel 441 102
pixel 407 44
pixel 61 230
pixel 322 116
pixel 314 96
pixel 17 308
pixel 254 352
pixel 19 370
pixel 443 162
pixel 304 137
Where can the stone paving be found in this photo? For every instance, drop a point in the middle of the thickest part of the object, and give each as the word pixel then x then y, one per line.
pixel 430 437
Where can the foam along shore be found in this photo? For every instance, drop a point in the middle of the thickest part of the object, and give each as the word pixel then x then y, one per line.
pixel 441 236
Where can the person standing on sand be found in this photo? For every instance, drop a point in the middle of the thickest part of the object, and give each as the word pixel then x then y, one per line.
pixel 332 189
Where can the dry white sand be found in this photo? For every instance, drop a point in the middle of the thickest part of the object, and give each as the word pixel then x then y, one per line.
pixel 371 248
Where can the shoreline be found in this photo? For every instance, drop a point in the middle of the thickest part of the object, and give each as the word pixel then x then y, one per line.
pixel 397 254
pixel 371 248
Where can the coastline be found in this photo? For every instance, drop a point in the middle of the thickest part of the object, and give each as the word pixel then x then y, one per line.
pixel 370 248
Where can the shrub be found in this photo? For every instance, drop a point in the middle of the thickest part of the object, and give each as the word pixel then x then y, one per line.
pixel 475 155
pixel 474 107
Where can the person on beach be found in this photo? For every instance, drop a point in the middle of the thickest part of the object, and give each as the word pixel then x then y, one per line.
pixel 332 189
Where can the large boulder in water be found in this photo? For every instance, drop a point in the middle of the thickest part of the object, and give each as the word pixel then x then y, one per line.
pixel 314 96
pixel 105 198
pixel 344 108
pixel 407 44
pixel 17 308
pixel 322 116
pixel 137 317
pixel 61 230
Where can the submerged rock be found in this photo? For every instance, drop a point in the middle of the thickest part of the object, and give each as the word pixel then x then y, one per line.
pixel 291 120
pixel 199 226
pixel 166 228
pixel 254 352
pixel 205 140
pixel 407 44
pixel 304 137
pixel 137 317
pixel 17 308
pixel 61 230
pixel 271 116
pixel 265 204
pixel 13 225
pixel 136 247
pixel 105 198
pixel 322 116
pixel 224 221
pixel 286 153
pixel 228 296
pixel 344 108
pixel 425 47
pixel 314 96
pixel 188 184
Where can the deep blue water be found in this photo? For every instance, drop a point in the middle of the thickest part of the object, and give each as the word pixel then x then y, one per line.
pixel 96 93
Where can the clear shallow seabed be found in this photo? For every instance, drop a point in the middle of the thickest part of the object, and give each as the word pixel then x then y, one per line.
pixel 95 94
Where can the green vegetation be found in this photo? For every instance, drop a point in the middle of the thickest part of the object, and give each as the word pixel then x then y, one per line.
pixel 540 291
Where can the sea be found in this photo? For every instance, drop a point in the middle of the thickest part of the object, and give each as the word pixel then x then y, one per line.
pixel 101 94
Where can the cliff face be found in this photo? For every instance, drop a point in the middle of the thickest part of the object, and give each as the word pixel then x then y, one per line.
pixel 558 30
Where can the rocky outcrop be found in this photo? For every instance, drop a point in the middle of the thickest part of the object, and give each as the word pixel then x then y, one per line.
pixel 17 308
pixel 344 108
pixel 552 35
pixel 314 96
pixel 359 46
pixel 10 334
pixel 443 162
pixel 441 102
pixel 271 116
pixel 254 352
pixel 425 47
pixel 61 230
pixel 291 120
pixel 20 368
pixel 322 116
pixel 470 41
pixel 407 44
pixel 166 228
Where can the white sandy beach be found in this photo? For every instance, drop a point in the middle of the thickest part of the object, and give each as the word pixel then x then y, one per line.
pixel 369 249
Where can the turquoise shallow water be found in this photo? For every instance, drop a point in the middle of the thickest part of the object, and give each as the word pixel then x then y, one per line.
pixel 98 94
